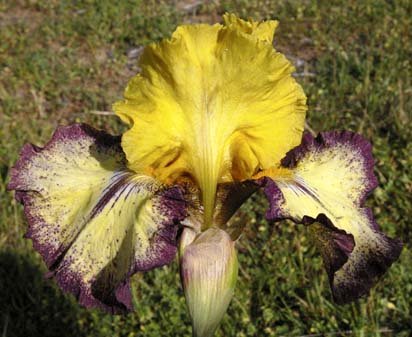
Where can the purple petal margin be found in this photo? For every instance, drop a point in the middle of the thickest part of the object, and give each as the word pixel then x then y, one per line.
pixel 331 139
pixel 106 291
pixel 24 195
pixel 357 274
pixel 164 249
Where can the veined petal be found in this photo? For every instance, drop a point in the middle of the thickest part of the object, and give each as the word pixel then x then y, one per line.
pixel 208 269
pixel 215 103
pixel 94 222
pixel 325 181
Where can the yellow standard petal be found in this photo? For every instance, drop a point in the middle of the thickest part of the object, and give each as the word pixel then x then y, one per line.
pixel 215 103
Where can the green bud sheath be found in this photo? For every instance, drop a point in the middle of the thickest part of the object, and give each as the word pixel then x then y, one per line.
pixel 209 271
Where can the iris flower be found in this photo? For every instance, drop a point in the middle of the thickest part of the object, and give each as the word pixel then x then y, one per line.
pixel 214 116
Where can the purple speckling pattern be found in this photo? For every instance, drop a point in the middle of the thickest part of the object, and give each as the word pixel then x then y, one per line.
pixel 332 139
pixel 172 206
pixel 62 134
pixel 72 282
pixel 311 144
pixel 357 272
pixel 109 293
pixel 24 192
pixel 335 244
pixel 275 198
pixel 48 252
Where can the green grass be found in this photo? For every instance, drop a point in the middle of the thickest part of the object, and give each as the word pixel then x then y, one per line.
pixel 61 60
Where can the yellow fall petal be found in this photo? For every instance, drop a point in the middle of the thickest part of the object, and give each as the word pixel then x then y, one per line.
pixel 324 183
pixel 94 222
pixel 216 103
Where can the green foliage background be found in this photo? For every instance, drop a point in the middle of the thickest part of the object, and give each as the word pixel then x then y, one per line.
pixel 61 61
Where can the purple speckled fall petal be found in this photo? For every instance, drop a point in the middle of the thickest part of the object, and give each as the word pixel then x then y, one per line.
pixel 94 222
pixel 328 180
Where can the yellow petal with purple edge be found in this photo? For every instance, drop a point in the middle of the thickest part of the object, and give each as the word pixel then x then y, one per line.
pixel 215 103
pixel 94 222
pixel 324 182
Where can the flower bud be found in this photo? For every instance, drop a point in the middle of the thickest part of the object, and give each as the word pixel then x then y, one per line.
pixel 209 272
